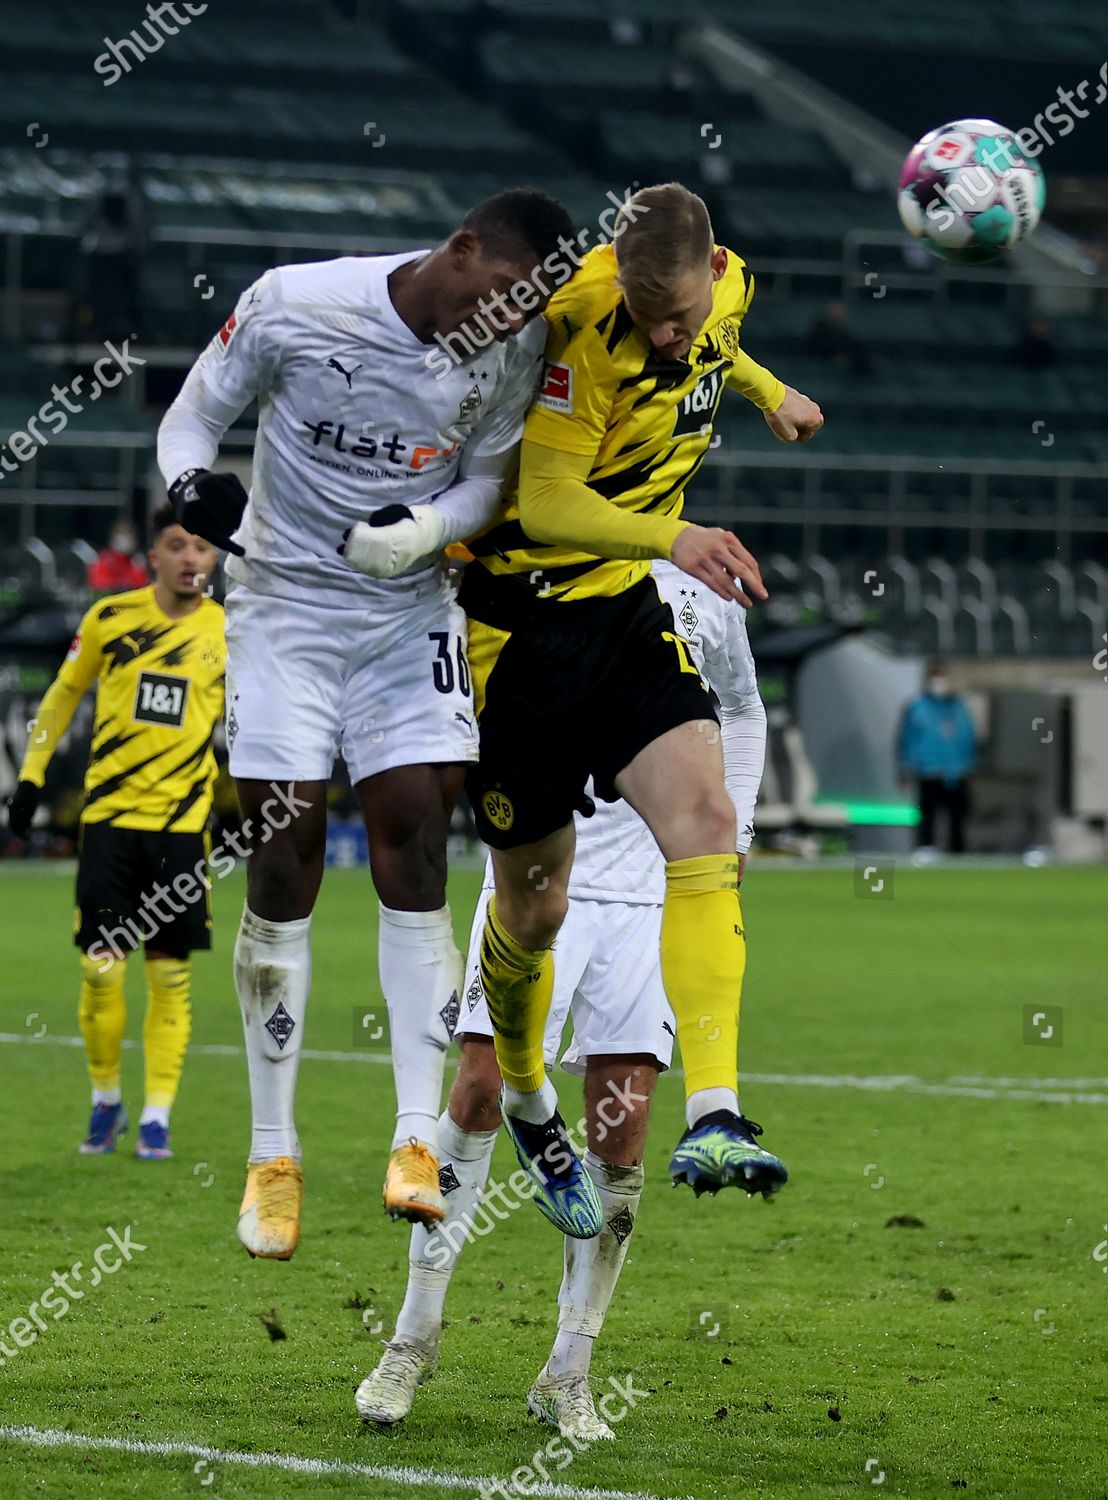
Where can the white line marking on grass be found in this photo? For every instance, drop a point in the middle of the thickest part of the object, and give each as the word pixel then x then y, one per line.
pixel 1024 1090
pixel 1036 1083
pixel 197 1049
pixel 985 1088
pixel 37 1437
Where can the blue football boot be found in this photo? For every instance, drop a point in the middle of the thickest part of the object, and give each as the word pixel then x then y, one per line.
pixel 153 1141
pixel 564 1192
pixel 106 1123
pixel 721 1150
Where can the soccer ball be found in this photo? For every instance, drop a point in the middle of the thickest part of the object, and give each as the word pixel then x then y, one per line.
pixel 969 192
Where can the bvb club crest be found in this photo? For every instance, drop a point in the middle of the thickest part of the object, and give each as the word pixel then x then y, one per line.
pixel 728 332
pixel 499 810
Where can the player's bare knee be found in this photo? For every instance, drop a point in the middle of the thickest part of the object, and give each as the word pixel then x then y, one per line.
pixel 705 824
pixel 713 816
pixel 618 1095
pixel 533 913
pixel 411 877
pixel 407 817
pixel 473 1097
pixel 283 881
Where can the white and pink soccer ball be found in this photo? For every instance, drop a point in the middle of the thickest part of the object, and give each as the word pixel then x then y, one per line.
pixel 969 191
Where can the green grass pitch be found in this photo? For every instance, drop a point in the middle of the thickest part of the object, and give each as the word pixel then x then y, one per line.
pixel 809 1347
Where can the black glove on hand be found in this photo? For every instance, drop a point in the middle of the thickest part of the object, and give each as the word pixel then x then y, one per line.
pixel 369 550
pixel 22 806
pixel 211 506
pixel 388 515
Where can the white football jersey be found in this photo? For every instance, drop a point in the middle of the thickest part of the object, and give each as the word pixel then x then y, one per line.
pixel 351 417
pixel 617 858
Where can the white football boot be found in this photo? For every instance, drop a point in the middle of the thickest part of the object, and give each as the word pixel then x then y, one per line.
pixel 568 1405
pixel 386 1396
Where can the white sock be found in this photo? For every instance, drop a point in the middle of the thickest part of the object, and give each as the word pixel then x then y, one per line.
pixel 592 1267
pixel 155 1114
pixel 464 1158
pixel 536 1108
pixel 273 974
pixel 107 1096
pixel 421 978
pixel 705 1101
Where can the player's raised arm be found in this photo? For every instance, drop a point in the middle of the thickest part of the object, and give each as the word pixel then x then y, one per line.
pixel 790 416
pixel 557 506
pixel 236 367
pixel 76 674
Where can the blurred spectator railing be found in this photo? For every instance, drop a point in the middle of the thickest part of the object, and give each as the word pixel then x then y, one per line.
pixel 903 267
pixel 972 494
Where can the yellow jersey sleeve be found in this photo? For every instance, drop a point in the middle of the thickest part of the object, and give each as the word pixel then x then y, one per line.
pixel 85 656
pixel 557 506
pixel 76 675
pixel 755 382
pixel 573 407
pixel 746 375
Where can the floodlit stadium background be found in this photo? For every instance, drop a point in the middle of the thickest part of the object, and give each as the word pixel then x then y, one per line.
pixel 953 507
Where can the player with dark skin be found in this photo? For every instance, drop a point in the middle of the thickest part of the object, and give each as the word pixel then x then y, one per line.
pixel 474 291
pixel 407 810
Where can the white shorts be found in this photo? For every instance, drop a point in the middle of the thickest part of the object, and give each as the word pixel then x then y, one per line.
pixel 307 682
pixel 607 977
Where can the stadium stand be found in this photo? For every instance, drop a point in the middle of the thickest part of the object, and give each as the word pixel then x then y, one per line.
pixel 325 134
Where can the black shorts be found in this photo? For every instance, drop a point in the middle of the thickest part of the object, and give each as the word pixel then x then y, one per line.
pixel 140 888
pixel 565 691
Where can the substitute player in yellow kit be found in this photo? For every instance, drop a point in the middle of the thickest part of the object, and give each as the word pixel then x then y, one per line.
pixel 578 669
pixel 157 657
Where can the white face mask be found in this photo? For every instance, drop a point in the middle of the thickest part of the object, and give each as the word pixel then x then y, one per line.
pixel 938 687
pixel 121 541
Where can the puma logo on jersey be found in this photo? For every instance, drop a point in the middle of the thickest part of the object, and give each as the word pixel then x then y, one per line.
pixel 347 375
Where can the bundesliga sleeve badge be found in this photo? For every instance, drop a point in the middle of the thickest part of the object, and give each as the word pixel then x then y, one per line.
pixel 556 390
pixel 226 333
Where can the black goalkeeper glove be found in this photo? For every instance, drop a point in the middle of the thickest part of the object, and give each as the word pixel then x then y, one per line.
pixel 22 806
pixel 211 506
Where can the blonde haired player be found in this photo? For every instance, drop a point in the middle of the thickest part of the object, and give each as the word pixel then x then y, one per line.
pixel 577 670
pixel 156 655
pixel 607 978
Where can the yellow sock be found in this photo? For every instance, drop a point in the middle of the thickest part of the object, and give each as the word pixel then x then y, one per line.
pixel 518 984
pixel 102 1014
pixel 165 1032
pixel 703 959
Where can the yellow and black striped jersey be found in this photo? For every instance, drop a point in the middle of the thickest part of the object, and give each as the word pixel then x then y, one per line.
pixel 645 421
pixel 159 695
